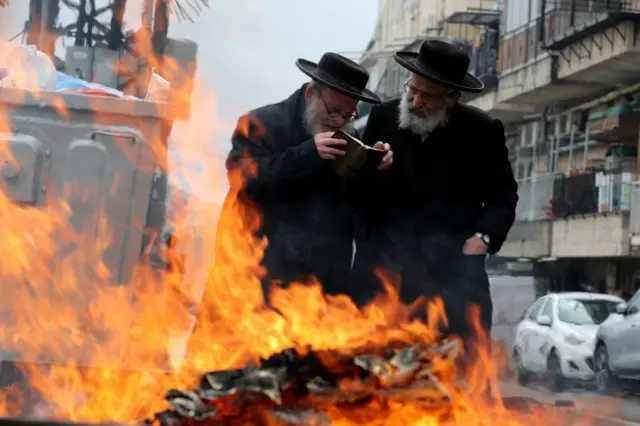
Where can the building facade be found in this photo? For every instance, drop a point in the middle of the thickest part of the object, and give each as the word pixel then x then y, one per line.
pixel 562 76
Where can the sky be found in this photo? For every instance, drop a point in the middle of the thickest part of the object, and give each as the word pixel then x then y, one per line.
pixel 247 48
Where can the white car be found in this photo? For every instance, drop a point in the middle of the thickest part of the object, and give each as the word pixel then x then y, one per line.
pixel 556 337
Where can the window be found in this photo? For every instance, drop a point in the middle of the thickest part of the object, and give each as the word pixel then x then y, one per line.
pixel 634 304
pixel 517 14
pixel 585 311
pixel 535 309
pixel 535 8
pixel 548 309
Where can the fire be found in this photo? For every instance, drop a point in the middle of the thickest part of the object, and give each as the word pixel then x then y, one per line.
pixel 99 352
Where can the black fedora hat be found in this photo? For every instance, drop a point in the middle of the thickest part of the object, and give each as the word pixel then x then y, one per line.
pixel 443 63
pixel 340 74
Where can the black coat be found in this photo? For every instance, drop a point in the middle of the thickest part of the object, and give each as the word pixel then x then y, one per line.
pixel 417 215
pixel 307 216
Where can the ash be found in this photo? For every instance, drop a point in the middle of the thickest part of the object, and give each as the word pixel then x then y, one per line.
pixel 293 388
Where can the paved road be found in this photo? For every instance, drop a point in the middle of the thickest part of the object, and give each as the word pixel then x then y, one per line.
pixel 616 411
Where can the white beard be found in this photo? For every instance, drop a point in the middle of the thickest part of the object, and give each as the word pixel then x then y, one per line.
pixel 420 125
pixel 313 124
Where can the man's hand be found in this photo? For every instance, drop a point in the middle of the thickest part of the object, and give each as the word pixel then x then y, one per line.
pixel 326 146
pixel 475 245
pixel 387 160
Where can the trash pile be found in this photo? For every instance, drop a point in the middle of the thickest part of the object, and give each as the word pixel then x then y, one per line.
pixel 294 388
pixel 28 68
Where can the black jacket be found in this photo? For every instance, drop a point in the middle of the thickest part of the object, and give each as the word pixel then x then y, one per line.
pixel 307 216
pixel 416 216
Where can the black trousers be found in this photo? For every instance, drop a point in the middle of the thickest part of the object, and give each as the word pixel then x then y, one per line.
pixel 459 280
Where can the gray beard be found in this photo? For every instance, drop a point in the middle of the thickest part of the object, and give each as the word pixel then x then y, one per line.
pixel 313 124
pixel 419 125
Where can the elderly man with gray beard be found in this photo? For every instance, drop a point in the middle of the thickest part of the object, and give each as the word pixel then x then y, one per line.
pixel 449 198
pixel 306 206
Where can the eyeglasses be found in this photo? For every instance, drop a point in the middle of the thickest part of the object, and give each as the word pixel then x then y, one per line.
pixel 334 114
pixel 425 96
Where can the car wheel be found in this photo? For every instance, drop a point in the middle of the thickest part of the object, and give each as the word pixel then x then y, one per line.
pixel 523 377
pixel 554 370
pixel 605 381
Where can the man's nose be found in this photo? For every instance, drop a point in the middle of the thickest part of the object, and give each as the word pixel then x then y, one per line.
pixel 417 102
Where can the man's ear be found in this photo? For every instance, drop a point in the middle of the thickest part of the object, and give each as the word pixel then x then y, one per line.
pixel 453 98
pixel 309 92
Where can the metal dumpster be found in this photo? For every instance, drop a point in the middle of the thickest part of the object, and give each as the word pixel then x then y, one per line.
pixel 105 148
pixel 102 144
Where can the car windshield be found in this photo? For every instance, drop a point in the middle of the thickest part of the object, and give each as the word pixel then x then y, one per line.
pixel 583 312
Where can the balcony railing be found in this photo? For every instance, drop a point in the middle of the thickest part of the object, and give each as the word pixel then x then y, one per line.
pixel 591 192
pixel 569 21
pixel 534 195
pixel 592 6
pixel 574 195
pixel 548 196
pixel 634 216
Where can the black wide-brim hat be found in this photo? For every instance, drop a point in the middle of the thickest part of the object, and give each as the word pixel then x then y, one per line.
pixel 442 63
pixel 342 75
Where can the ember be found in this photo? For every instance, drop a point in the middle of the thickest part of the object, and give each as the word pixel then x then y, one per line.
pixel 295 388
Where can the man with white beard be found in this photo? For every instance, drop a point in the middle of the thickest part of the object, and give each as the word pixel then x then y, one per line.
pixel 306 206
pixel 449 198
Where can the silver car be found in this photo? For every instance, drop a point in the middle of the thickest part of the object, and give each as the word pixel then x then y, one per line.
pixel 617 349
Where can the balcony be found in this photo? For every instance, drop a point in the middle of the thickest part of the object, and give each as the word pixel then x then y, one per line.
pixel 595 42
pixel 592 214
pixel 527 76
pixel 484 65
pixel 618 124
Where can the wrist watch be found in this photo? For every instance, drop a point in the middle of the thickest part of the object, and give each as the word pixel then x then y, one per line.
pixel 484 237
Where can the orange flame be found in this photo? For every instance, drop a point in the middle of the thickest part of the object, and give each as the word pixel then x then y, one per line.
pixel 101 352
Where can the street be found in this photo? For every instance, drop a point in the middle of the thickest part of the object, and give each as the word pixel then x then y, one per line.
pixel 624 410
pixel 511 297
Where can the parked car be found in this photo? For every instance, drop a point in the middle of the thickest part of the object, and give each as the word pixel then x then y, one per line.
pixel 617 349
pixel 556 337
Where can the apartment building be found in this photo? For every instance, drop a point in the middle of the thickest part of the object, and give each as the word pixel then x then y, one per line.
pixel 567 91
pixel 562 76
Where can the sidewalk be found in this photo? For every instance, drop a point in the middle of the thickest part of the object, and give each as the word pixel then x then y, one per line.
pixel 625 411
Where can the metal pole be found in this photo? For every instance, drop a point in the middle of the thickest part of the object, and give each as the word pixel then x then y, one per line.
pixel 534 152
pixel 551 154
pixel 44 28
pixel 533 207
pixel 586 148
pixel 557 148
pixel 148 6
pixel 570 162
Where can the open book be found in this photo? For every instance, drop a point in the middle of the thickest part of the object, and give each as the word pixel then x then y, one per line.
pixel 358 156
